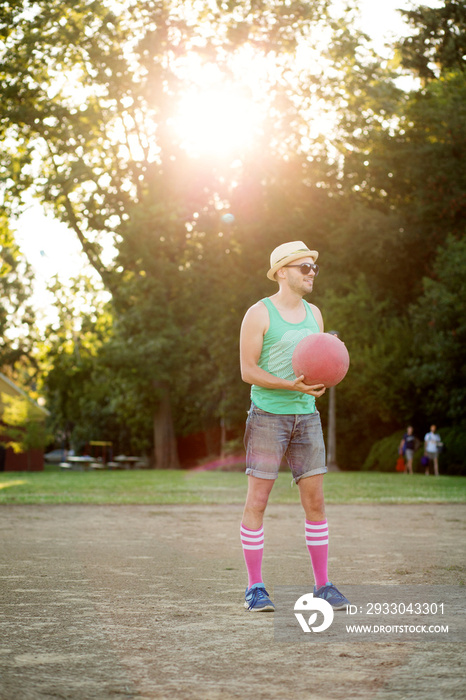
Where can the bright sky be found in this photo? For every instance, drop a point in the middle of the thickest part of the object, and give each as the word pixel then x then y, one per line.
pixel 52 249
pixel 380 19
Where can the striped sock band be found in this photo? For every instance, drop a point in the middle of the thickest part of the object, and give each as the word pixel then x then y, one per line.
pixel 253 546
pixel 317 544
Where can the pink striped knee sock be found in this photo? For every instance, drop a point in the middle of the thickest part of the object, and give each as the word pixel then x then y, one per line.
pixel 317 544
pixel 253 548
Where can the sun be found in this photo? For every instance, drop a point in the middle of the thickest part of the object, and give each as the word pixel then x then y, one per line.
pixel 226 113
pixel 217 121
pixel 223 107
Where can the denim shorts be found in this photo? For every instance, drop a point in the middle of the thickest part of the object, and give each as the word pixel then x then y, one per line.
pixel 270 437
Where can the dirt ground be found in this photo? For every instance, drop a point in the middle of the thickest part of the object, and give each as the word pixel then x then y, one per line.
pixel 147 602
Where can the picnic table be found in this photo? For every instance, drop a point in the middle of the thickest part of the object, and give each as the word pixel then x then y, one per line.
pixel 86 463
pixel 124 462
pixel 77 463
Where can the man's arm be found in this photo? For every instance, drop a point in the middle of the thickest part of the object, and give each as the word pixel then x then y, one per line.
pixel 255 325
pixel 318 317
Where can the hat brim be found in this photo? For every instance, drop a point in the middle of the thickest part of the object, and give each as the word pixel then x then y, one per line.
pixel 290 258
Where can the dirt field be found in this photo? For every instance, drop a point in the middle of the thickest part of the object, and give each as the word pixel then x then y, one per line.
pixel 147 602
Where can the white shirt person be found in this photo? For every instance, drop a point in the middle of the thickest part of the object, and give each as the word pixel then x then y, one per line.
pixel 432 445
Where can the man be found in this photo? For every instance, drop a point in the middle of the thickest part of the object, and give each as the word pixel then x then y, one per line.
pixel 432 445
pixel 283 419
pixel 407 448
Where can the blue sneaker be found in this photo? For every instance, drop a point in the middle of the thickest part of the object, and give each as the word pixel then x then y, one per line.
pixel 257 599
pixel 332 595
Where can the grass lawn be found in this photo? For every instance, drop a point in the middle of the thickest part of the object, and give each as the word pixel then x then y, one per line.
pixel 214 487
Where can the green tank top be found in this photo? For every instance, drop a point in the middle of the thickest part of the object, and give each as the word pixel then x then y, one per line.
pixel 277 350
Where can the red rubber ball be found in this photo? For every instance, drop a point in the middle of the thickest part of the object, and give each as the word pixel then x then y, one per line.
pixel 322 358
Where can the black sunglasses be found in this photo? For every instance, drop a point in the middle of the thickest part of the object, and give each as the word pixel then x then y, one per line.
pixel 306 268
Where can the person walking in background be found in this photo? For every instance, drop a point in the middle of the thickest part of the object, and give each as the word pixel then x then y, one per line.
pixel 407 448
pixel 283 419
pixel 432 446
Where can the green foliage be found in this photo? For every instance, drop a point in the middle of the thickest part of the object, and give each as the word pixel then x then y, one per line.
pixel 412 171
pixel 439 39
pixel 24 423
pixel 16 314
pixel 452 460
pixel 384 453
pixel 438 368
pixel 377 389
pixel 77 386
pixel 403 163
pixel 112 168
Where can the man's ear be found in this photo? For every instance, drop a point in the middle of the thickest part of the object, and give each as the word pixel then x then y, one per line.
pixel 280 273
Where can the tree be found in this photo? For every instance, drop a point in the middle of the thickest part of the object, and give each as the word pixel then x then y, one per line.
pixel 100 149
pixel 439 368
pixel 408 160
pixel 417 171
pixel 76 382
pixel 438 43
pixel 400 193
pixel 16 314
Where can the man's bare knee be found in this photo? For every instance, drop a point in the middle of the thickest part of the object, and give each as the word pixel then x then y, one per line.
pixel 258 493
pixel 316 500
pixel 312 497
pixel 256 501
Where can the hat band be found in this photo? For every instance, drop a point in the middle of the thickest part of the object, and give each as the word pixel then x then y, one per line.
pixel 300 250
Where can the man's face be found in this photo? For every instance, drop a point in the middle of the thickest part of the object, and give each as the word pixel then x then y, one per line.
pixel 297 281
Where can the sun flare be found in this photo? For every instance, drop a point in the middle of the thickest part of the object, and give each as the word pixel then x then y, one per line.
pixel 224 117
pixel 219 122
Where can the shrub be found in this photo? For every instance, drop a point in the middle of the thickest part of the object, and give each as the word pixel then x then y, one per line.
pixel 384 453
pixel 452 460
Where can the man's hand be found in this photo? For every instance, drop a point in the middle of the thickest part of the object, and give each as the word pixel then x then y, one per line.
pixel 315 390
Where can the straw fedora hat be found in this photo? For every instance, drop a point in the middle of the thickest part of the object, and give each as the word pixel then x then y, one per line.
pixel 286 253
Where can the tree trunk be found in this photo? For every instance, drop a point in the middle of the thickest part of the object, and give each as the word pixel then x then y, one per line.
pixel 165 450
pixel 332 465
pixel 223 437
pixel 332 432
